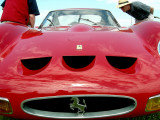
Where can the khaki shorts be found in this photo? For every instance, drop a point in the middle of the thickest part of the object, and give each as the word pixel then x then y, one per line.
pixel 150 18
pixel 6 21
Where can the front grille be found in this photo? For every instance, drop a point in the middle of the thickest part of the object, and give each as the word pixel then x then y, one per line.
pixel 78 107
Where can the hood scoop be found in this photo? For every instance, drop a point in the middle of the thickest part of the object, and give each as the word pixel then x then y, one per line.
pixel 81 28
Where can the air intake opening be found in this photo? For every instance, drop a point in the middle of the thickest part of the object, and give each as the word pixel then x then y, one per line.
pixel 33 65
pixel 90 106
pixel 123 64
pixel 78 62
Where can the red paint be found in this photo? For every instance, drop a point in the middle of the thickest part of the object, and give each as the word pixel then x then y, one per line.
pixel 81 28
pixel 141 81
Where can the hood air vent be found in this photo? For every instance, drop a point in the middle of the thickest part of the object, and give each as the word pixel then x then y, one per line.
pixel 78 63
pixel 123 64
pixel 35 63
pixel 91 106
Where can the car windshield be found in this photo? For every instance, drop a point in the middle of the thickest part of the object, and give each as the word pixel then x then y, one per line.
pixel 72 17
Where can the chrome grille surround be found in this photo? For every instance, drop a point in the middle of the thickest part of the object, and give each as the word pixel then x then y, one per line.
pixel 89 113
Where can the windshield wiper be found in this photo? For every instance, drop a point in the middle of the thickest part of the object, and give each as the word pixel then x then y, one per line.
pixel 90 21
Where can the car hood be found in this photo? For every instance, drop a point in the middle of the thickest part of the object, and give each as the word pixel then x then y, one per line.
pixel 78 40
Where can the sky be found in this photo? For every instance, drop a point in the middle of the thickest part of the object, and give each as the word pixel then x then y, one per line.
pixel 124 19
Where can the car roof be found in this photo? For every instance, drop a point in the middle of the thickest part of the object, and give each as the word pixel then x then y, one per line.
pixel 80 9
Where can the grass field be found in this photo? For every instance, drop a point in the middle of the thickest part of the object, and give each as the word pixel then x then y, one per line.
pixel 155 116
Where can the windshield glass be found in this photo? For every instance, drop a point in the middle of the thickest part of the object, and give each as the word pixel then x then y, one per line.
pixel 71 17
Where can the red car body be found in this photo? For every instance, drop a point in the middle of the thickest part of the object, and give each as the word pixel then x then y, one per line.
pixel 111 72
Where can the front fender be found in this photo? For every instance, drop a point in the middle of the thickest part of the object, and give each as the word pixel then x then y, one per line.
pixel 149 32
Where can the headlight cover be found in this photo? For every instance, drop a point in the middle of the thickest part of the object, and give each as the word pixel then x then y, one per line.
pixel 5 106
pixel 153 104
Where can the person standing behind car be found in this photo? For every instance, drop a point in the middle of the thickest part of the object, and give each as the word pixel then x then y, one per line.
pixel 20 11
pixel 141 12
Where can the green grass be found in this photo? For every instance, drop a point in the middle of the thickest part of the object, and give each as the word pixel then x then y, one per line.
pixel 155 116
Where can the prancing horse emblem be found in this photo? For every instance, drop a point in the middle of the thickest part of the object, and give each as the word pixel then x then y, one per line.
pixel 76 105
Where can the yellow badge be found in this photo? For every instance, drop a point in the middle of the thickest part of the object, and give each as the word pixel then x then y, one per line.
pixel 79 47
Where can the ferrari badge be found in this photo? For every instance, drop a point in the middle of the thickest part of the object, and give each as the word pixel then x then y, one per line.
pixel 75 105
pixel 79 47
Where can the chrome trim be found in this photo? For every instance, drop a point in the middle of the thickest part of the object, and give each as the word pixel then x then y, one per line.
pixel 63 115
pixel 4 99
pixel 158 48
pixel 154 97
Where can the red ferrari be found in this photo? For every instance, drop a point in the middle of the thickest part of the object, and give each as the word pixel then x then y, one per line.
pixel 79 64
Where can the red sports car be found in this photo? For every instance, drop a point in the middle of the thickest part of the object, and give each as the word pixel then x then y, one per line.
pixel 79 64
